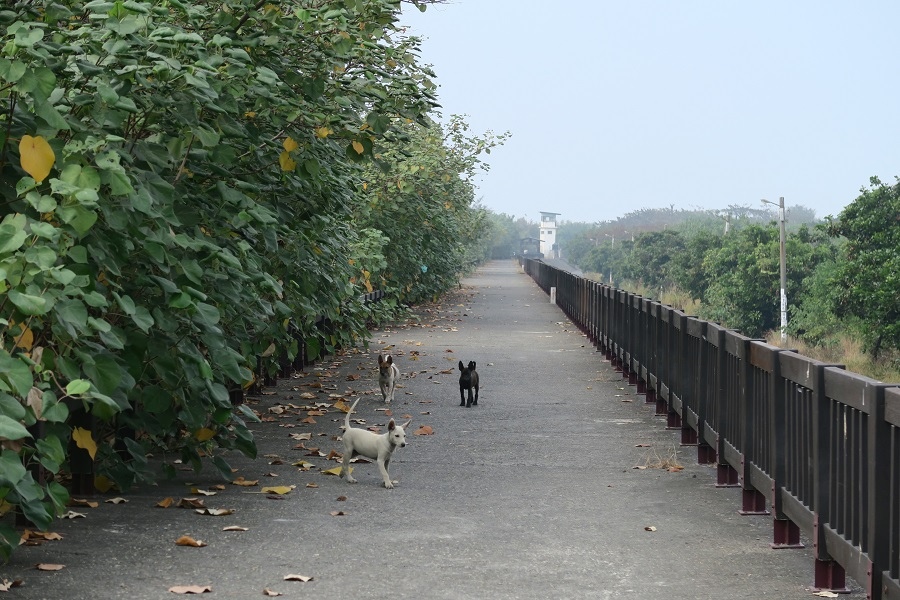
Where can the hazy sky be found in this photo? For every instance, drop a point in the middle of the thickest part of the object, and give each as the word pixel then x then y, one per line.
pixel 618 106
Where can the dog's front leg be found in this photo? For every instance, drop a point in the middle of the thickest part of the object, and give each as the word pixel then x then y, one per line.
pixel 382 466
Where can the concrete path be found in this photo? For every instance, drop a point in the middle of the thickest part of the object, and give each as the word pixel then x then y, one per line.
pixel 533 494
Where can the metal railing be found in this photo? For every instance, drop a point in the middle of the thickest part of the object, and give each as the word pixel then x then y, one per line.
pixel 813 445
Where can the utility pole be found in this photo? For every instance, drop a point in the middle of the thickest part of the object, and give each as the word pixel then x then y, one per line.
pixel 783 296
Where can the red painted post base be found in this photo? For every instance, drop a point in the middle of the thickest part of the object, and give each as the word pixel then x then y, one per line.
pixel 662 407
pixel 753 503
pixel 726 476
pixel 632 377
pixel 688 436
pixel 641 386
pixel 706 454
pixel 787 535
pixel 673 420
pixel 650 397
pixel 830 577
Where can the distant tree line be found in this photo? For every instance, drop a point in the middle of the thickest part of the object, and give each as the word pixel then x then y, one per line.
pixel 843 274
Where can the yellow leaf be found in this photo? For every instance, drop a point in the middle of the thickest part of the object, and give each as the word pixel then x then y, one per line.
pixel 250 114
pixel 289 144
pixel 36 157
pixel 334 471
pixel 204 434
pixel 323 132
pixel 85 441
pixel 278 489
pixel 368 285
pixel 358 147
pixel 25 340
pixel 102 484
pixel 287 163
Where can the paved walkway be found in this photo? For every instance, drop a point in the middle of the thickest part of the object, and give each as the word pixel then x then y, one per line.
pixel 531 495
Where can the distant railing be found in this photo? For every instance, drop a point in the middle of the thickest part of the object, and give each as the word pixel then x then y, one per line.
pixel 810 443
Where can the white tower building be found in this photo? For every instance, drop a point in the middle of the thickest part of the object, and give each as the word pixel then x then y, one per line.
pixel 549 248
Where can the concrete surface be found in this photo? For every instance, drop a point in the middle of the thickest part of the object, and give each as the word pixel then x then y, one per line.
pixel 532 494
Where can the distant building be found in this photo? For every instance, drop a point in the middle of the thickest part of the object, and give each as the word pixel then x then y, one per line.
pixel 549 247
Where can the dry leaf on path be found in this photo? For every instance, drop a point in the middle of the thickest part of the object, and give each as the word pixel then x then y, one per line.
pixel 80 502
pixel 302 578
pixel 215 512
pixel 270 593
pixel 245 482
pixel 165 503
pixel 338 513
pixel 73 515
pixel 826 594
pixel 650 528
pixel 279 489
pixel 187 540
pixel 235 528
pixel 191 503
pixel 190 589
pixel 334 471
pixel 312 485
pixel 7 585
pixel 424 430
pixel 49 567
pixel 116 501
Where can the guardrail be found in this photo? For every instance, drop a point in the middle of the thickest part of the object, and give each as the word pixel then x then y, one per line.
pixel 812 444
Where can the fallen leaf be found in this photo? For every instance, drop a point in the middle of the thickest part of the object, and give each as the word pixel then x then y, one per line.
pixel 116 501
pixel 235 528
pixel 341 498
pixel 304 465
pixel 190 589
pixel 7 585
pixel 200 492
pixel 245 482
pixel 215 512
pixel 338 513
pixel 191 503
pixel 308 396
pixel 49 567
pixel 312 485
pixel 424 430
pixel 270 593
pixel 187 540
pixel 279 489
pixel 334 471
pixel 80 502
pixel 302 578
pixel 649 528
pixel 826 594
pixel 165 503
pixel 643 445
pixel 301 436
pixel 308 420
pixel 73 515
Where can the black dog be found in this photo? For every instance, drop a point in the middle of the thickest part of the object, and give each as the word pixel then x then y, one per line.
pixel 468 379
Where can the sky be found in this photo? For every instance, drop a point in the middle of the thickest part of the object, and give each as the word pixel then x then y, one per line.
pixel 692 104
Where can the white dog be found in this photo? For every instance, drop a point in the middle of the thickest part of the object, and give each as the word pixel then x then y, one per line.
pixel 388 374
pixel 371 445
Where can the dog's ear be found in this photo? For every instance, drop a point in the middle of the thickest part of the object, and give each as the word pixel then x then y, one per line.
pixel 461 367
pixel 380 360
pixel 405 425
pixel 472 364
pixel 391 425
pixel 390 360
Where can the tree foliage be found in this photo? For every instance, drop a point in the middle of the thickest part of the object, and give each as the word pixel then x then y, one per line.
pixel 180 183
pixel 868 277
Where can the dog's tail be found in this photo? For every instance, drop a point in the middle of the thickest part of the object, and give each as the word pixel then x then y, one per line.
pixel 347 416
